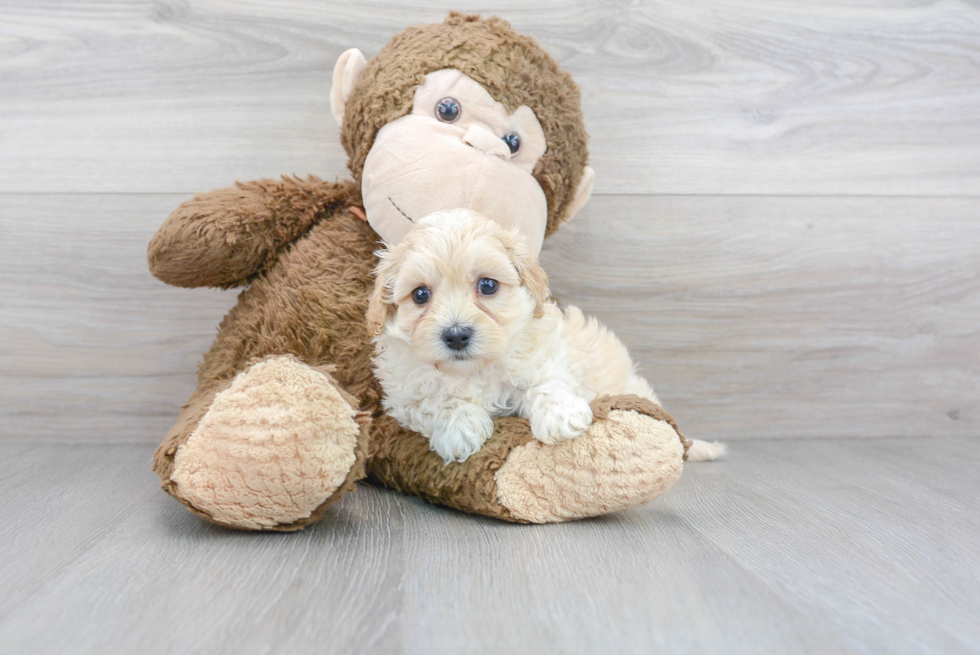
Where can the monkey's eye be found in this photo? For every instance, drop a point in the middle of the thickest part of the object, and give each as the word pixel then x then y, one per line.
pixel 448 110
pixel 513 142
pixel 487 286
pixel 421 295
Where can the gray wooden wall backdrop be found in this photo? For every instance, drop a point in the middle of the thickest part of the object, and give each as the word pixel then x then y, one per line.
pixel 786 230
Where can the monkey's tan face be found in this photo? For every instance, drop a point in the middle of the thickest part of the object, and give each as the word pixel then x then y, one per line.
pixel 459 148
pixel 458 296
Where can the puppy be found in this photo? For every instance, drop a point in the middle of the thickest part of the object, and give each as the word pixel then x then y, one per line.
pixel 464 331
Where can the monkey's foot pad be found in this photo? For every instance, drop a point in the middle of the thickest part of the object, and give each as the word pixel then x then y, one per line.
pixel 631 454
pixel 271 449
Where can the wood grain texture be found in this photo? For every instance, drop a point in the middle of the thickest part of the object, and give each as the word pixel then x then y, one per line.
pixel 91 345
pixel 775 317
pixel 778 317
pixel 870 533
pixel 729 97
pixel 810 546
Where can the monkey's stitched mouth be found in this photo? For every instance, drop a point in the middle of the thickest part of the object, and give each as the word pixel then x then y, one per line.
pixel 400 209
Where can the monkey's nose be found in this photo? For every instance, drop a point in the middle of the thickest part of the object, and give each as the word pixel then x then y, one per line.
pixel 457 337
pixel 486 141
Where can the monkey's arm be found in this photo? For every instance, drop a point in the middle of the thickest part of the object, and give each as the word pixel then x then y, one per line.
pixel 632 453
pixel 224 238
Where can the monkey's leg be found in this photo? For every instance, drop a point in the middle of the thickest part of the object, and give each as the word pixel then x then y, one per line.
pixel 632 453
pixel 269 450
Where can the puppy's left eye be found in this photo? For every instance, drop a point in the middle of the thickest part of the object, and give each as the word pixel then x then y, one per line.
pixel 421 295
pixel 487 287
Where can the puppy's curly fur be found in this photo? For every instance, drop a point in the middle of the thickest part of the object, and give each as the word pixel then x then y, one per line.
pixel 465 331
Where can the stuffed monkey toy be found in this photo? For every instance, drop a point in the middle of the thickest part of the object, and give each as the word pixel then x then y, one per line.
pixel 287 414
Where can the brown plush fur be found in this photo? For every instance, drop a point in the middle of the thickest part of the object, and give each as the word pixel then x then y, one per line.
pixel 312 304
pixel 308 260
pixel 225 237
pixel 406 464
pixel 514 70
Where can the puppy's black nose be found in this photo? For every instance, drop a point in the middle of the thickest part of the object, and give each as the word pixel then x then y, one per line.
pixel 457 337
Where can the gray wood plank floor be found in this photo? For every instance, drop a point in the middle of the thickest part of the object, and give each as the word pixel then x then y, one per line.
pixel 802 546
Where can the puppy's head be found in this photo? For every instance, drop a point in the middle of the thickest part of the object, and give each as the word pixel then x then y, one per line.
pixel 457 288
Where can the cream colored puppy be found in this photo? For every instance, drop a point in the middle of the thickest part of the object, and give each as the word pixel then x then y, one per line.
pixel 465 331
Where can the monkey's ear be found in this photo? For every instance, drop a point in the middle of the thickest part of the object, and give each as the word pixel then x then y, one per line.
pixel 583 192
pixel 346 72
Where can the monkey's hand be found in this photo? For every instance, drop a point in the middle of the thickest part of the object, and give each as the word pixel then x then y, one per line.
pixel 224 238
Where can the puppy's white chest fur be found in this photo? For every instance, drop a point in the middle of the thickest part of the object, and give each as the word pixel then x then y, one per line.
pixel 553 368
pixel 499 386
pixel 411 384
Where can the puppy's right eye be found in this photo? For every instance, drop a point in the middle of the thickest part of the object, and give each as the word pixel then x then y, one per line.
pixel 421 295
pixel 488 286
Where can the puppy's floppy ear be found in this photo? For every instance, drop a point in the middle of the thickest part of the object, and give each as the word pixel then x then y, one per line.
pixel 381 305
pixel 535 280
pixel 533 277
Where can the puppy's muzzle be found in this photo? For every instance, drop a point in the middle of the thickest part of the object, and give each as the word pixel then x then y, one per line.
pixel 457 337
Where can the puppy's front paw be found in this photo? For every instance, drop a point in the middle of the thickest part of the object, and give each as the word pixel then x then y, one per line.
pixel 461 434
pixel 560 418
